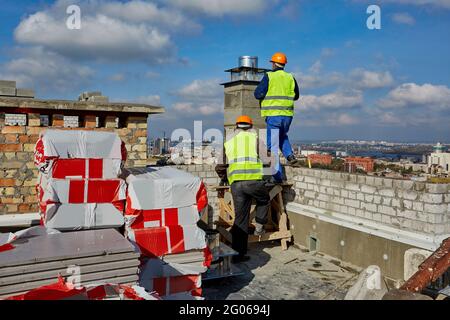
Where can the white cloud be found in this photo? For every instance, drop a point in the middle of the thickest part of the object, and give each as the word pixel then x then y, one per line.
pixel 41 70
pixel 366 79
pixel 118 77
pixel 140 11
pixel 152 75
pixel 189 108
pixel 154 100
pixel 316 67
pixel 436 3
pixel 221 7
pixel 403 18
pixel 331 101
pixel 435 97
pixel 428 3
pixel 100 38
pixel 201 89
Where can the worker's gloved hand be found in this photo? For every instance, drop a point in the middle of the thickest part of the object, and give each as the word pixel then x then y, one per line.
pixel 221 170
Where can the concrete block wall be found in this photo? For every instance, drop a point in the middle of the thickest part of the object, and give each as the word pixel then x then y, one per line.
pixel 18 173
pixel 403 204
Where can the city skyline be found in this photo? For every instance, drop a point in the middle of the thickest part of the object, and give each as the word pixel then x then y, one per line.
pixel 390 84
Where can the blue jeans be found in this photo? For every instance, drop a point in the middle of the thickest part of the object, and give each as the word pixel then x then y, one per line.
pixel 282 124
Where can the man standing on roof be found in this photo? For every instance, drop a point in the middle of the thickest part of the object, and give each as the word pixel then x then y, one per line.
pixel 245 176
pixel 277 92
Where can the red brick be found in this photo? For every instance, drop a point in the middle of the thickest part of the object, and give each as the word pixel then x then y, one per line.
pixel 140 133
pixel 13 129
pixel 10 147
pixel 10 138
pixel 7 182
pixel 35 130
pixel 23 207
pixel 33 138
pixel 90 122
pixel 23 138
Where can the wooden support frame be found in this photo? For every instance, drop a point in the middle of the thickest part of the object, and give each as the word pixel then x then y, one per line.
pixel 277 227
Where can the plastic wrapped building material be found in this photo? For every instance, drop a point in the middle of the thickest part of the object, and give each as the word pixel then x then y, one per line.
pixel 67 217
pixel 138 219
pixel 83 168
pixel 78 144
pixel 156 242
pixel 157 268
pixel 156 188
pixel 174 285
pixel 82 190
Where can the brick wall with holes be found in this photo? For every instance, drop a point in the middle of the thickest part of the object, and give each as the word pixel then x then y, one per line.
pixel 20 131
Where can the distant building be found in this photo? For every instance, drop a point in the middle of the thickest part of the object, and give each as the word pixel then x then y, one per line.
pixel 306 153
pixel 325 159
pixel 341 154
pixel 366 164
pixel 439 160
pixel 161 146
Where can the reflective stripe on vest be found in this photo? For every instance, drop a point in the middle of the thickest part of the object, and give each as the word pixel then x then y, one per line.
pixel 242 155
pixel 279 100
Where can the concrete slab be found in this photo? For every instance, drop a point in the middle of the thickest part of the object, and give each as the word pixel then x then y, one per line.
pixel 295 274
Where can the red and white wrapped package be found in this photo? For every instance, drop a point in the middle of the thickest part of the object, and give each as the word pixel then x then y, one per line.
pixel 139 219
pixel 156 188
pixel 62 290
pixel 81 190
pixel 69 217
pixel 173 285
pixel 157 268
pixel 156 242
pixel 77 144
pixel 83 168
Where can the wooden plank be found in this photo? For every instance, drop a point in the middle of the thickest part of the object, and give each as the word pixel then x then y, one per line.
pixel 225 233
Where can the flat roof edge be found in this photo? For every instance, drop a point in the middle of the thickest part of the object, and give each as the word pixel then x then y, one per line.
pixel 29 103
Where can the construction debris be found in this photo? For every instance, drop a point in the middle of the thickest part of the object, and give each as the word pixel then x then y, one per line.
pixel 431 269
pixel 369 286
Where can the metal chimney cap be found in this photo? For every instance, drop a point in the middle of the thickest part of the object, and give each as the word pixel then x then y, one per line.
pixel 248 61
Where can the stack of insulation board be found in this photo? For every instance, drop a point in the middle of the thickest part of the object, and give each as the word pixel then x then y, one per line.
pixel 84 257
pixel 162 211
pixel 78 184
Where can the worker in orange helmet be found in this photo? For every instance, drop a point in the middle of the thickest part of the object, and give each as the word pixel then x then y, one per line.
pixel 277 92
pixel 245 176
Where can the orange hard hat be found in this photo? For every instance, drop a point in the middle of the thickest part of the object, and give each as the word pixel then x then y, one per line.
pixel 279 58
pixel 244 119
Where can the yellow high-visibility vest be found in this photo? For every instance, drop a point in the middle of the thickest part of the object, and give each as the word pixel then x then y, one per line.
pixel 279 100
pixel 243 160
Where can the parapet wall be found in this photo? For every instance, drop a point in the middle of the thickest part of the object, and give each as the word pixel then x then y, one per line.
pixel 403 204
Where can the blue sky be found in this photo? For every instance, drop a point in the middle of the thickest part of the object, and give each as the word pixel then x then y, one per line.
pixel 388 84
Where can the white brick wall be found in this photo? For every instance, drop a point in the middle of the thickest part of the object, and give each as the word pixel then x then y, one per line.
pixel 407 205
pixel 403 204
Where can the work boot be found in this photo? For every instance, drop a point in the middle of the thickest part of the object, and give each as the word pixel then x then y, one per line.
pixel 292 161
pixel 259 229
